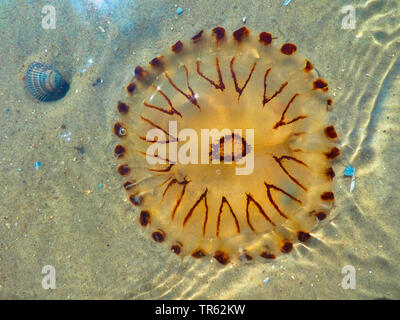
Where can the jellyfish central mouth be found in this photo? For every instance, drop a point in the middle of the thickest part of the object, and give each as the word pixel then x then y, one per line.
pixel 229 148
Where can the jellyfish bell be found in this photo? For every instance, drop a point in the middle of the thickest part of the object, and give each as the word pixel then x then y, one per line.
pixel 249 171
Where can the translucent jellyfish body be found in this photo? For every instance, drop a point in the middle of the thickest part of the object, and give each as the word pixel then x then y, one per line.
pixel 224 148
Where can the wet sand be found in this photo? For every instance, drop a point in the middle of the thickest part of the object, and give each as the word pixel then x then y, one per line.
pixel 72 213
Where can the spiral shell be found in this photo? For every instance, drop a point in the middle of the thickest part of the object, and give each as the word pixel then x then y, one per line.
pixel 45 83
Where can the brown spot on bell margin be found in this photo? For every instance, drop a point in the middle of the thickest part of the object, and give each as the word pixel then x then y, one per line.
pixel 198 253
pixel 222 257
pixel 119 151
pixel 328 196
pixel 176 248
pixel 330 173
pixel 288 48
pixel 156 62
pixel 197 37
pixel 267 255
pixel 303 236
pixel 309 66
pixel 177 47
pixel 246 256
pixel 129 185
pixel 131 87
pixel 265 38
pixel 123 170
pixel 321 216
pixel 144 218
pixel 320 84
pixel 330 132
pixel 329 102
pixel 333 153
pixel 119 130
pixel 286 247
pixel 241 33
pixel 140 72
pixel 219 32
pixel 158 236
pixel 136 199
pixel 123 107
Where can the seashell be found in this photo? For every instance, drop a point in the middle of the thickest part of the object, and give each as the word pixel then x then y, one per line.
pixel 45 83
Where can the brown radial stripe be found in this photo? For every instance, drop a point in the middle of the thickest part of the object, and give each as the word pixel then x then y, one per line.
pixel 189 214
pixel 265 98
pixel 224 201
pixel 233 73
pixel 220 85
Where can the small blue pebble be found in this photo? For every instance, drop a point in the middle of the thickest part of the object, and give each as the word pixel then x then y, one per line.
pixel 37 164
pixel 99 186
pixel 349 171
pixel 179 10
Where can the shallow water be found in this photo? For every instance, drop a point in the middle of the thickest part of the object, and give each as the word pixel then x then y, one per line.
pixel 72 213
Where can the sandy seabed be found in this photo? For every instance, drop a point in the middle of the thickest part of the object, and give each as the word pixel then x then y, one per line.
pixel 72 213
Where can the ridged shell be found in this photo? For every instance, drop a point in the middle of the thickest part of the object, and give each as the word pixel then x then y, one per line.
pixel 45 83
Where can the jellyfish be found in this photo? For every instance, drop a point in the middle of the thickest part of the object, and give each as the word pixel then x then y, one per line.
pixel 223 147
